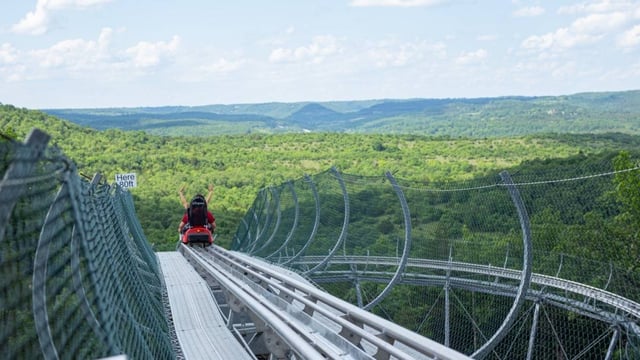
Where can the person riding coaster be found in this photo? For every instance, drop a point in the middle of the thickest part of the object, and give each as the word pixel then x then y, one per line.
pixel 198 223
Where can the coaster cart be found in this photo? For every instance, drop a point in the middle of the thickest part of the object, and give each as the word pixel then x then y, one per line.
pixel 197 235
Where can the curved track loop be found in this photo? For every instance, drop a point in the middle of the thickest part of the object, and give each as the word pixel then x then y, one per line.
pixel 605 306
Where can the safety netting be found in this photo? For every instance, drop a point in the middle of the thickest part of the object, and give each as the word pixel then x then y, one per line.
pixel 79 279
pixel 540 261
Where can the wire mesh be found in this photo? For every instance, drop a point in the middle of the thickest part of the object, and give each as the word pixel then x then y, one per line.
pixel 464 244
pixel 79 279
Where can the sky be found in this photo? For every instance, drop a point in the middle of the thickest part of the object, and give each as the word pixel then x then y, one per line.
pixel 135 53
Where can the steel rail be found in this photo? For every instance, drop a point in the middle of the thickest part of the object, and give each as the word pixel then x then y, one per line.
pixel 357 325
pixel 606 297
pixel 264 310
pixel 490 287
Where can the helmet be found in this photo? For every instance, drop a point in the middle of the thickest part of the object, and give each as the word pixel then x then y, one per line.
pixel 198 200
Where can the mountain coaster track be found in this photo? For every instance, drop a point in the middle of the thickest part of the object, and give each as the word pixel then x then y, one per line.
pixel 622 310
pixel 305 320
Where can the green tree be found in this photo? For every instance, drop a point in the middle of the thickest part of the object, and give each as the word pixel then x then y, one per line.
pixel 628 221
pixel 8 133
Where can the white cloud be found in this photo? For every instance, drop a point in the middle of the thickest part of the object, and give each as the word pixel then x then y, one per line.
pixel 146 54
pixel 530 11
pixel 391 54
pixel 386 57
pixel 398 3
pixel 74 54
pixel 630 38
pixel 61 4
pixel 8 54
pixel 320 47
pixel 601 6
pixel 84 59
pixel 472 57
pixel 600 23
pixel 66 53
pixel 560 39
pixel 584 30
pixel 36 22
pixel 281 55
pixel 221 65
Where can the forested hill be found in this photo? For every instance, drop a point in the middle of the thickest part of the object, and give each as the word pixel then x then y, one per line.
pixel 240 165
pixel 598 112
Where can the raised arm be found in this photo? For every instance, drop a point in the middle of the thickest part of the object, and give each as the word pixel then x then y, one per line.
pixel 210 193
pixel 183 200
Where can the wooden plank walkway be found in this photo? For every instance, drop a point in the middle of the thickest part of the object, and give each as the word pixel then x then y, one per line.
pixel 200 328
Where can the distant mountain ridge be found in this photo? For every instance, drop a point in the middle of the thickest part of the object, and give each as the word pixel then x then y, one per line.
pixel 599 112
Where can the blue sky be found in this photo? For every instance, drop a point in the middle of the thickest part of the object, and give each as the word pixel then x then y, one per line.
pixel 128 53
